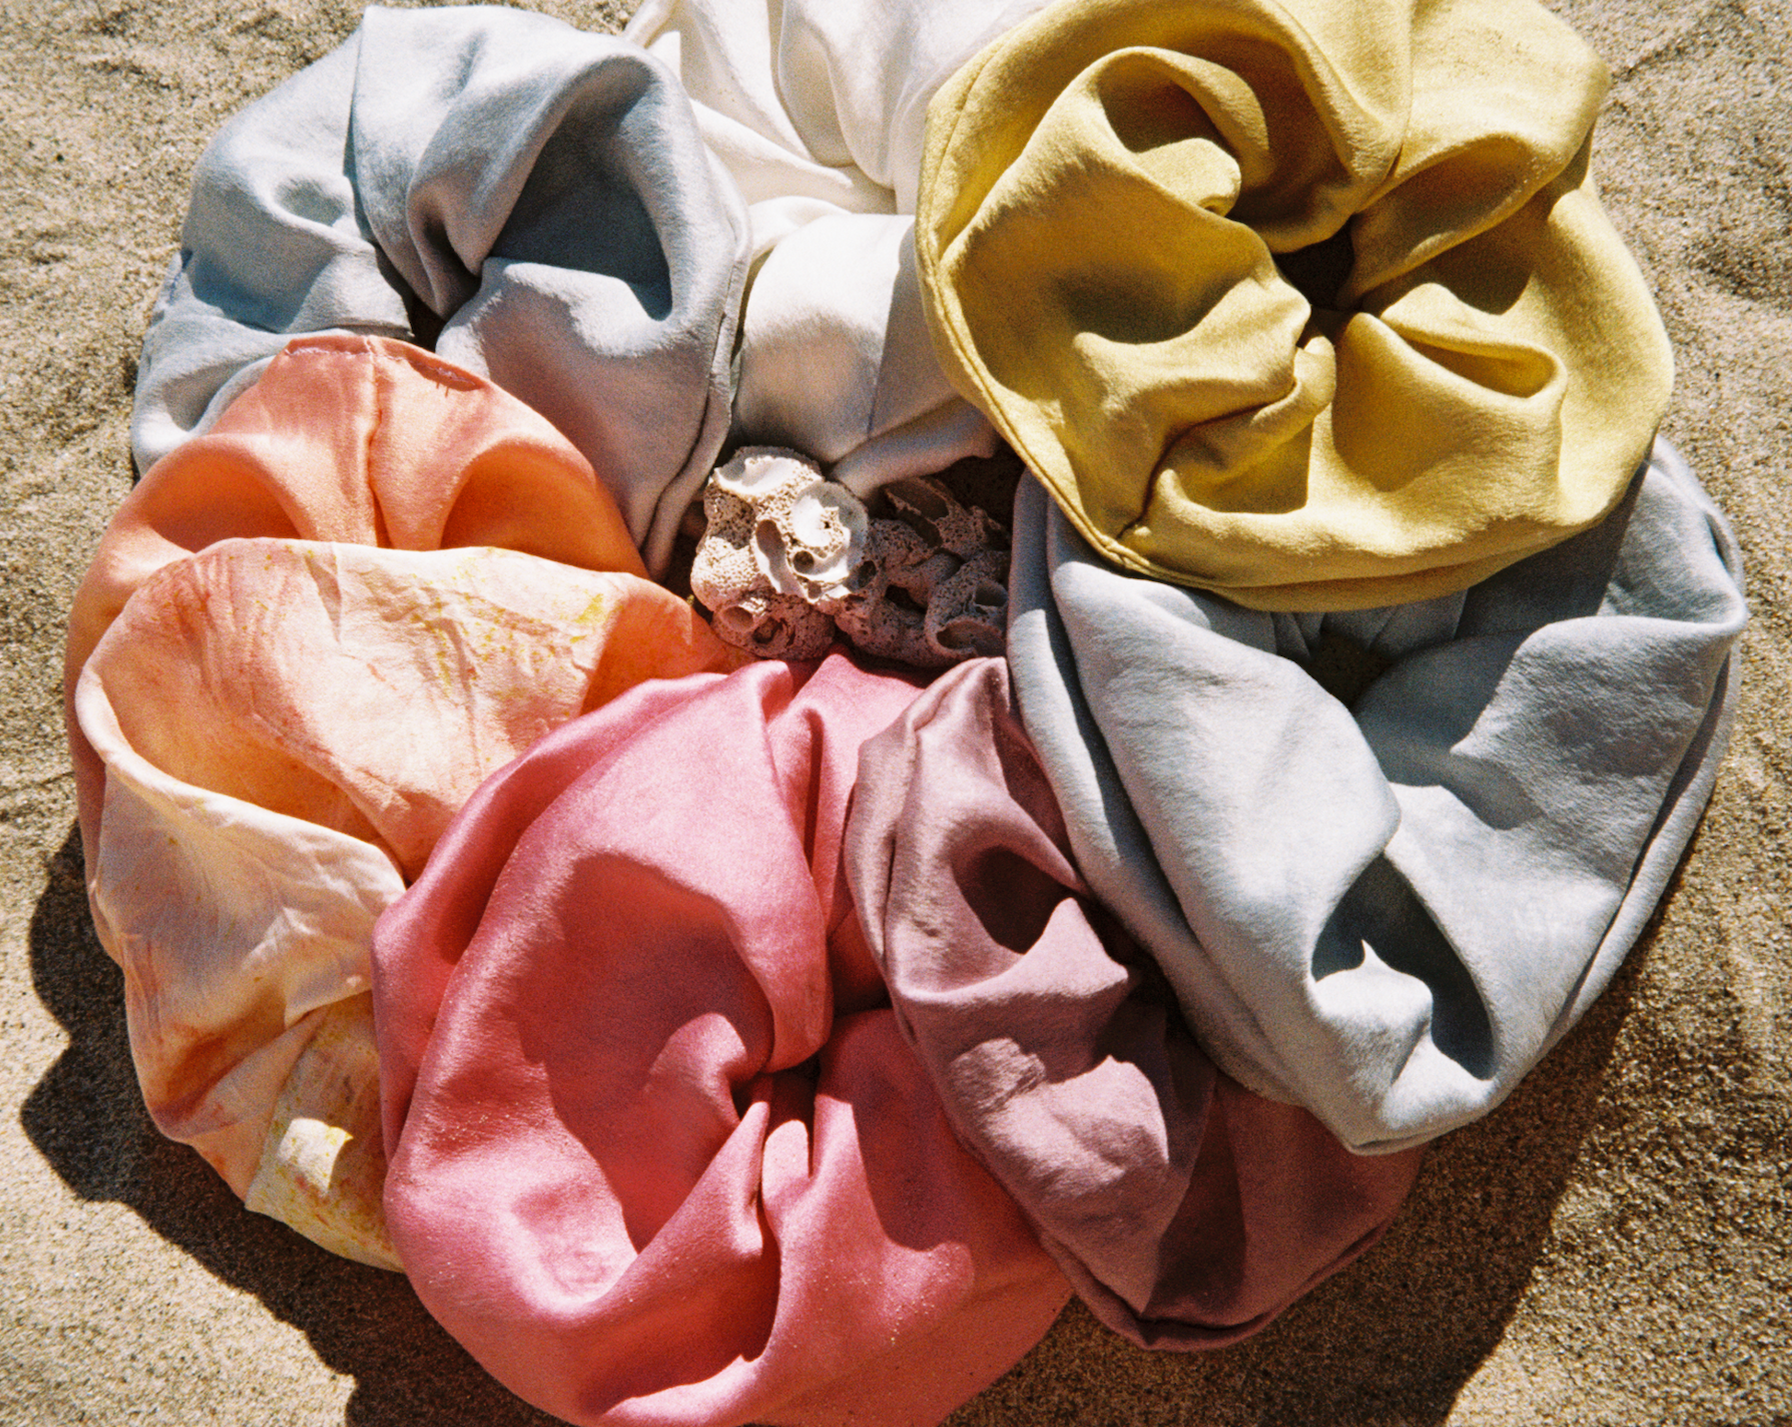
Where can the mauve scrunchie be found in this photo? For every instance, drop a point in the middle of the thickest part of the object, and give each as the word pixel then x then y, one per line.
pixel 1310 304
pixel 1187 1211
pixel 1388 909
pixel 542 191
pixel 270 732
pixel 658 1152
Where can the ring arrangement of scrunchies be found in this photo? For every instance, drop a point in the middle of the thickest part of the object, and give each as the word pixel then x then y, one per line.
pixel 715 1039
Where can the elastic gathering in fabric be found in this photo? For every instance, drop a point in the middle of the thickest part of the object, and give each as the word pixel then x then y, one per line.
pixel 274 712
pixel 589 262
pixel 835 358
pixel 720 1193
pixel 1187 1210
pixel 1385 900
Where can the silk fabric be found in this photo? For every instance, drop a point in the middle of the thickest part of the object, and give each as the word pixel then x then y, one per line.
pixel 1311 305
pixel 270 732
pixel 538 194
pixel 816 110
pixel 1186 1210
pixel 659 1154
pixel 1386 903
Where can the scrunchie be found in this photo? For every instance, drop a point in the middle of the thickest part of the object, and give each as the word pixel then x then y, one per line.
pixel 1310 304
pixel 1385 900
pixel 816 109
pixel 1187 1211
pixel 540 191
pixel 270 732
pixel 659 1154
pixel 818 105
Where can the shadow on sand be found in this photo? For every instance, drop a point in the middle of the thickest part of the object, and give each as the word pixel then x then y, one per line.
pixel 1391 1340
pixel 87 1119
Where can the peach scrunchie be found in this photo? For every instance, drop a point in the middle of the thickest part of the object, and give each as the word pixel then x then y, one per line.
pixel 1311 305
pixel 270 732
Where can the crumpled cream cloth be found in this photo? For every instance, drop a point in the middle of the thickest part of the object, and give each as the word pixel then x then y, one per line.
pixel 1387 858
pixel 816 109
pixel 1313 305
pixel 538 194
pixel 270 732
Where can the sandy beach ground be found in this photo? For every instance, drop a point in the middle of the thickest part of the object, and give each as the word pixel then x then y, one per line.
pixel 1610 1247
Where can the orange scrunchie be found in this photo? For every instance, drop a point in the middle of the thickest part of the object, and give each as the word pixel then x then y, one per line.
pixel 295 656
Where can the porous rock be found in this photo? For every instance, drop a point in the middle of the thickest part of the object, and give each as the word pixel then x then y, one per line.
pixel 788 555
pixel 781 542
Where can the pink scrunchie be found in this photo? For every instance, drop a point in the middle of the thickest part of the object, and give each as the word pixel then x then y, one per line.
pixel 1187 1210
pixel 658 1153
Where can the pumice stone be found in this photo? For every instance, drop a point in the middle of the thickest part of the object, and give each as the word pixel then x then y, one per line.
pixel 790 558
pixel 935 587
pixel 781 545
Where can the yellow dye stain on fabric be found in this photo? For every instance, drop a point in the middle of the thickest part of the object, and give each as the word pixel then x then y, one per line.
pixel 323 1164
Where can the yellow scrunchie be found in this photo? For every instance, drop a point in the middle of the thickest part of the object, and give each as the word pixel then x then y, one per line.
pixel 1122 202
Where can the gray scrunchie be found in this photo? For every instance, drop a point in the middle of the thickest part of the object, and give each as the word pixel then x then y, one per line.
pixel 542 192
pixel 1388 910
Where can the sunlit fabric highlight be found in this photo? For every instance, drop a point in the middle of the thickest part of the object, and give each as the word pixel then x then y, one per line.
pixel 1312 305
pixel 270 732
pixel 1388 858
pixel 659 1153
pixel 1187 1210
pixel 532 201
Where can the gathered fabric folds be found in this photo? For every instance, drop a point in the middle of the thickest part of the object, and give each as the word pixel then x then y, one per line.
pixel 274 713
pixel 1387 858
pixel 810 103
pixel 816 109
pixel 361 440
pixel 539 194
pixel 1187 1210
pixel 659 1153
pixel 1311 305
pixel 717 1040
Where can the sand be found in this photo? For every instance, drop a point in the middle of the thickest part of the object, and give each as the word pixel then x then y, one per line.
pixel 1610 1247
